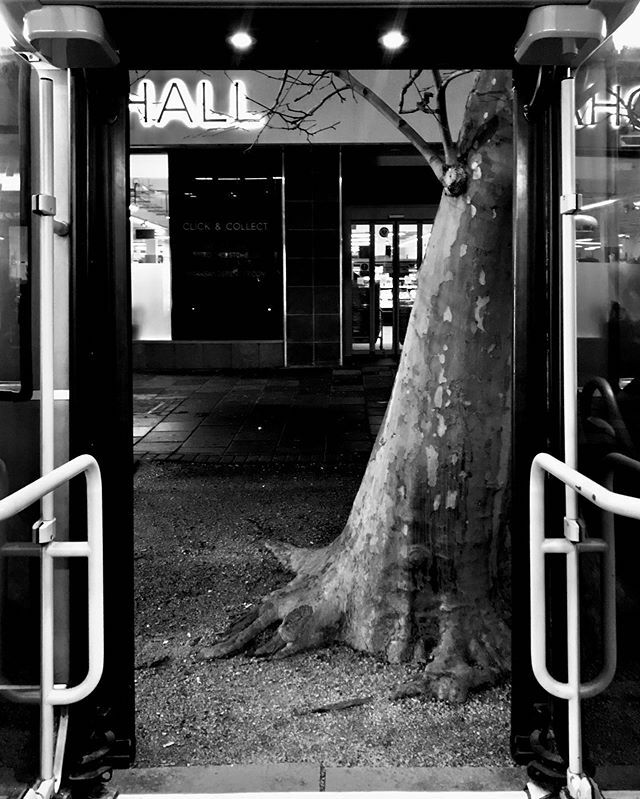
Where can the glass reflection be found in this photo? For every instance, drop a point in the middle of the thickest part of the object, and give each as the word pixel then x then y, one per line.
pixel 608 329
pixel 14 311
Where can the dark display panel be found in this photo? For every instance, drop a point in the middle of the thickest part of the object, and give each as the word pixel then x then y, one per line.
pixel 226 244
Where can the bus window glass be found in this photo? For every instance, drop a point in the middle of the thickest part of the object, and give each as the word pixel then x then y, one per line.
pixel 14 262
pixel 608 345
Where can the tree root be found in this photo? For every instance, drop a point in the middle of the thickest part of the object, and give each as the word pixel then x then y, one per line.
pixel 310 612
pixel 302 615
pixel 299 560
pixel 290 557
pixel 473 652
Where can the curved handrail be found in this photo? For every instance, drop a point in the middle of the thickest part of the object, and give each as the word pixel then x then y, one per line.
pixel 90 549
pixel 608 501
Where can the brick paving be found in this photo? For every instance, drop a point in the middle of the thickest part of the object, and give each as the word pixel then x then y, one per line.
pixel 284 415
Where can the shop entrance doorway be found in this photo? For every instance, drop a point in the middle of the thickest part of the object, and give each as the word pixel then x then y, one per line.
pixel 385 259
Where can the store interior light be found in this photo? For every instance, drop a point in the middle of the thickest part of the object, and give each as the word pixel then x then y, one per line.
pixel 241 40
pixel 601 203
pixel 393 40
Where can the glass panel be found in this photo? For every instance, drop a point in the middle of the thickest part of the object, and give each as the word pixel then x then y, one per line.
pixel 15 343
pixel 360 287
pixel 608 329
pixel 150 248
pixel 384 282
pixel 19 574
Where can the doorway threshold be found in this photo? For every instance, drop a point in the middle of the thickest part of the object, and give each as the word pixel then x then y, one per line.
pixel 282 780
pixel 199 781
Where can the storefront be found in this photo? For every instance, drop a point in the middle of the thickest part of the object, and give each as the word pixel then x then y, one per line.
pixel 253 243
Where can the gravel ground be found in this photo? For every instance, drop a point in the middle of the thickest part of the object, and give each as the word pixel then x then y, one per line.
pixel 200 561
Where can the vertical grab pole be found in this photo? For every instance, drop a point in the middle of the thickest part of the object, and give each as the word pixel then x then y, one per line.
pixel 44 206
pixel 573 661
pixel 569 327
pixel 569 205
pixel 45 189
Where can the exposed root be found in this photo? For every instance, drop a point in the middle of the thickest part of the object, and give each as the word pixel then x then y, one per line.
pixel 310 612
pixel 290 557
pixel 299 560
pixel 474 651
pixel 302 617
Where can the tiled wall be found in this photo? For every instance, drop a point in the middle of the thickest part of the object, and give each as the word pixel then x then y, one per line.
pixel 169 356
pixel 312 213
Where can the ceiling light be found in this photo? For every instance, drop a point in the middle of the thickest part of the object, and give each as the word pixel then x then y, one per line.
pixel 393 40
pixel 241 40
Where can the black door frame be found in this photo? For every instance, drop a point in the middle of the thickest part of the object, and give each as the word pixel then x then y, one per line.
pixel 101 392
pixel 537 415
pixel 101 373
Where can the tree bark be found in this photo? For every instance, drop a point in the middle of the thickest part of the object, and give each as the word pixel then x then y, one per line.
pixel 420 570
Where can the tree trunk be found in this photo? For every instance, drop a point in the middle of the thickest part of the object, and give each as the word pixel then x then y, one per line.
pixel 420 570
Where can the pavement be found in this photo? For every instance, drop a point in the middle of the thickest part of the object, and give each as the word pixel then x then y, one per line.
pixel 301 415
pixel 505 782
pixel 283 780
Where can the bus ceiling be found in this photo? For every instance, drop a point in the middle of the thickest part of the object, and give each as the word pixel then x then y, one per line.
pixel 143 34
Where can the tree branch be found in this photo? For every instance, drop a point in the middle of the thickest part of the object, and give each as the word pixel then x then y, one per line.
pixel 427 150
pixel 451 156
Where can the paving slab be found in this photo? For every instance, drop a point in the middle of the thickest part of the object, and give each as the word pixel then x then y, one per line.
pixel 242 416
pixel 154 446
pixel 218 779
pixel 166 435
pixel 425 779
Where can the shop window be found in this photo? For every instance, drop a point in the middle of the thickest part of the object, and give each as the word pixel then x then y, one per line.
pixel 150 247
pixel 226 237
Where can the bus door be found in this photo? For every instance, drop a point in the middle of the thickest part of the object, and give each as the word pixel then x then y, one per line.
pixel 58 242
pixel 34 392
pixel 585 505
pixel 19 430
pixel 607 341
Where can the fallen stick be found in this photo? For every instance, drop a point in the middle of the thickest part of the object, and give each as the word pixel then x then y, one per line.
pixel 343 705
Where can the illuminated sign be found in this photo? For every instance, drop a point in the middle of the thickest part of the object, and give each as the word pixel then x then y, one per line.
pixel 235 227
pixel 622 108
pixel 176 102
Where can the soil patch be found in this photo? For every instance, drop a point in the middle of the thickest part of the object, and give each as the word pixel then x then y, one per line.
pixel 199 561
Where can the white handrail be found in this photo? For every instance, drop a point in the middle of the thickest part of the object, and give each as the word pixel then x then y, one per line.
pixel 90 549
pixel 612 503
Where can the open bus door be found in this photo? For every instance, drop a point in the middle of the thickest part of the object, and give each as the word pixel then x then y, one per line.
pixel 97 345
pixel 51 550
pixel 585 533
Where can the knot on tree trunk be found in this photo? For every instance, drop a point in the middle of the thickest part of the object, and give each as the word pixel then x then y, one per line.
pixel 454 180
